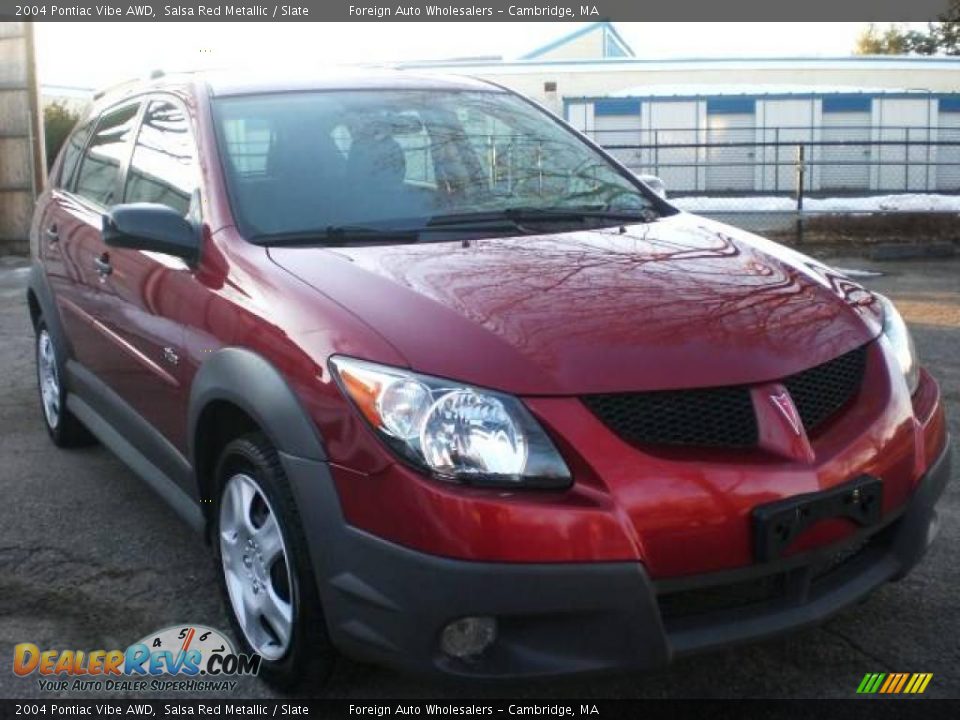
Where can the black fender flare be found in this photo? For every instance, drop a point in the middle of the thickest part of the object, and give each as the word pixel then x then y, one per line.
pixel 38 287
pixel 250 382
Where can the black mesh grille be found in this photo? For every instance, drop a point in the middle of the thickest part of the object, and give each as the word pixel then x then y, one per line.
pixel 724 417
pixel 818 393
pixel 716 417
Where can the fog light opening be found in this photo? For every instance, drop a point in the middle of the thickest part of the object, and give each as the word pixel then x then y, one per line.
pixel 468 637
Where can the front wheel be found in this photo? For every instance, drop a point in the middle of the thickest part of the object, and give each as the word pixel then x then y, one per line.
pixel 62 426
pixel 264 567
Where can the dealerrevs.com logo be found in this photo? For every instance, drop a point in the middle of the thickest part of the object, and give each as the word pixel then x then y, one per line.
pixel 178 658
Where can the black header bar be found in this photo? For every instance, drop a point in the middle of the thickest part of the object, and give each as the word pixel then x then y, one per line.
pixel 472 10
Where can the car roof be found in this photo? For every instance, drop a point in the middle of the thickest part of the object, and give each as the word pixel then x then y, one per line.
pixel 222 83
pixel 233 83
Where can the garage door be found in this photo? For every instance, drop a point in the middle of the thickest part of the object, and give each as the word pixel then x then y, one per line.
pixel 845 167
pixel 731 120
pixel 948 156
pixel 617 128
pixel 672 132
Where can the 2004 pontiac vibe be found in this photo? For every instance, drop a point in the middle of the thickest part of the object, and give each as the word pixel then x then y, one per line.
pixel 448 388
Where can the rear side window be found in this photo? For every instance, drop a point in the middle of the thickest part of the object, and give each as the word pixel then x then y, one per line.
pixel 163 168
pixel 71 154
pixel 100 167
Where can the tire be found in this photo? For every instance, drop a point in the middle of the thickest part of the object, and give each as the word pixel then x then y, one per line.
pixel 64 428
pixel 252 493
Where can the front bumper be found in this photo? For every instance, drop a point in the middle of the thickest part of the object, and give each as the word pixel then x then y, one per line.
pixel 388 604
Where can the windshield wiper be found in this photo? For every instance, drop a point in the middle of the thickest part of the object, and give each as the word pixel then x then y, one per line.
pixel 365 234
pixel 535 214
pixel 337 235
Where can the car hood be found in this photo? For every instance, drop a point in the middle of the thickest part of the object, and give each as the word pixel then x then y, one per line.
pixel 682 302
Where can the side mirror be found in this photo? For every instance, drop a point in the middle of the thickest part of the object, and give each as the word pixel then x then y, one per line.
pixel 148 226
pixel 655 184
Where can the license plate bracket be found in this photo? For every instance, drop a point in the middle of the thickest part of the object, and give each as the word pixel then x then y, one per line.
pixel 776 525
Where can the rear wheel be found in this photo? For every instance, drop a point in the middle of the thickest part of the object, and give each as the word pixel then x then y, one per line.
pixel 62 426
pixel 264 568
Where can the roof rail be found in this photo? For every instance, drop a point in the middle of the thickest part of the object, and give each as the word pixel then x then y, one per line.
pixel 116 86
pixel 154 74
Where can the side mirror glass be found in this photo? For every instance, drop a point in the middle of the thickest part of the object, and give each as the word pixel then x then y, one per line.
pixel 148 226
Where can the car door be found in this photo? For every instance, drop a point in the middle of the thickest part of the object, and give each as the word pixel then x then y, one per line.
pixel 58 224
pixel 76 220
pixel 142 294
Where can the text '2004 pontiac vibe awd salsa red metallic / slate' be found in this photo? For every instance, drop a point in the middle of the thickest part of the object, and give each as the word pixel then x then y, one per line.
pixel 449 389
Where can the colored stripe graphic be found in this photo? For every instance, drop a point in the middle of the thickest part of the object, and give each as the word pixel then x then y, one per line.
pixel 903 681
pixel 894 683
pixel 892 679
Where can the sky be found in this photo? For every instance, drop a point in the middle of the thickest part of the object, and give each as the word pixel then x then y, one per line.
pixel 92 55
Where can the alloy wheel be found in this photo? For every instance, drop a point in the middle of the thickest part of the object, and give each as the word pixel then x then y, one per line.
pixel 49 378
pixel 256 567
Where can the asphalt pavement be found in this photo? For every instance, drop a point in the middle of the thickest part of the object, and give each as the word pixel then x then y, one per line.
pixel 90 558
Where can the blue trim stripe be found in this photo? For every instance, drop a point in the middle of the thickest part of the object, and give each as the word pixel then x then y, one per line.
pixel 951 62
pixel 616 106
pixel 731 105
pixel 847 103
pixel 950 104
pixel 775 96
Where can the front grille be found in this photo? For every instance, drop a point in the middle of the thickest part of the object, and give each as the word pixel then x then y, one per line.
pixel 717 417
pixel 818 393
pixel 724 417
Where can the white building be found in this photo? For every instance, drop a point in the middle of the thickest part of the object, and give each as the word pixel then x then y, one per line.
pixel 881 123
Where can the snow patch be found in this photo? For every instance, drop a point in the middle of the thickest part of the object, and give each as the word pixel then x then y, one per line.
pixel 881 203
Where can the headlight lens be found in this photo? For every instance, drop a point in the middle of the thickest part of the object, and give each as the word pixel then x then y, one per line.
pixel 900 339
pixel 455 432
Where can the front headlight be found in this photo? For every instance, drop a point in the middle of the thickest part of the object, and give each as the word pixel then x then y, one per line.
pixel 898 335
pixel 453 431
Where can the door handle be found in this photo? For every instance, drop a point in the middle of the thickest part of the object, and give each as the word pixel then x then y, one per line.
pixel 103 266
pixel 52 234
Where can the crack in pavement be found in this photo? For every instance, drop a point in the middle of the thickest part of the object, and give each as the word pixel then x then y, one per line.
pixel 850 642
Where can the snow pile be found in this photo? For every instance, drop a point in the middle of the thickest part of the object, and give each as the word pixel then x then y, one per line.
pixel 877 204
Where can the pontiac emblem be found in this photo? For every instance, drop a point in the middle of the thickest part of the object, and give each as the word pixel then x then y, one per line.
pixel 785 405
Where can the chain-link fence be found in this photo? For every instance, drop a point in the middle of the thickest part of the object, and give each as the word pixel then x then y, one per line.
pixel 788 180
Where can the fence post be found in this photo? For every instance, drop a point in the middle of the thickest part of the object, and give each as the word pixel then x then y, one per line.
pixel 776 160
pixel 906 161
pixel 801 169
pixel 656 153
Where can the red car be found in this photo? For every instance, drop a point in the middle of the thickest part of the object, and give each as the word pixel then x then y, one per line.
pixel 447 388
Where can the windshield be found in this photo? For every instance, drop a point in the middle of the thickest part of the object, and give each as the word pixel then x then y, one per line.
pixel 406 160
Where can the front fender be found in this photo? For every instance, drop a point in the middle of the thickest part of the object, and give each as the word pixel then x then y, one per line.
pixel 252 383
